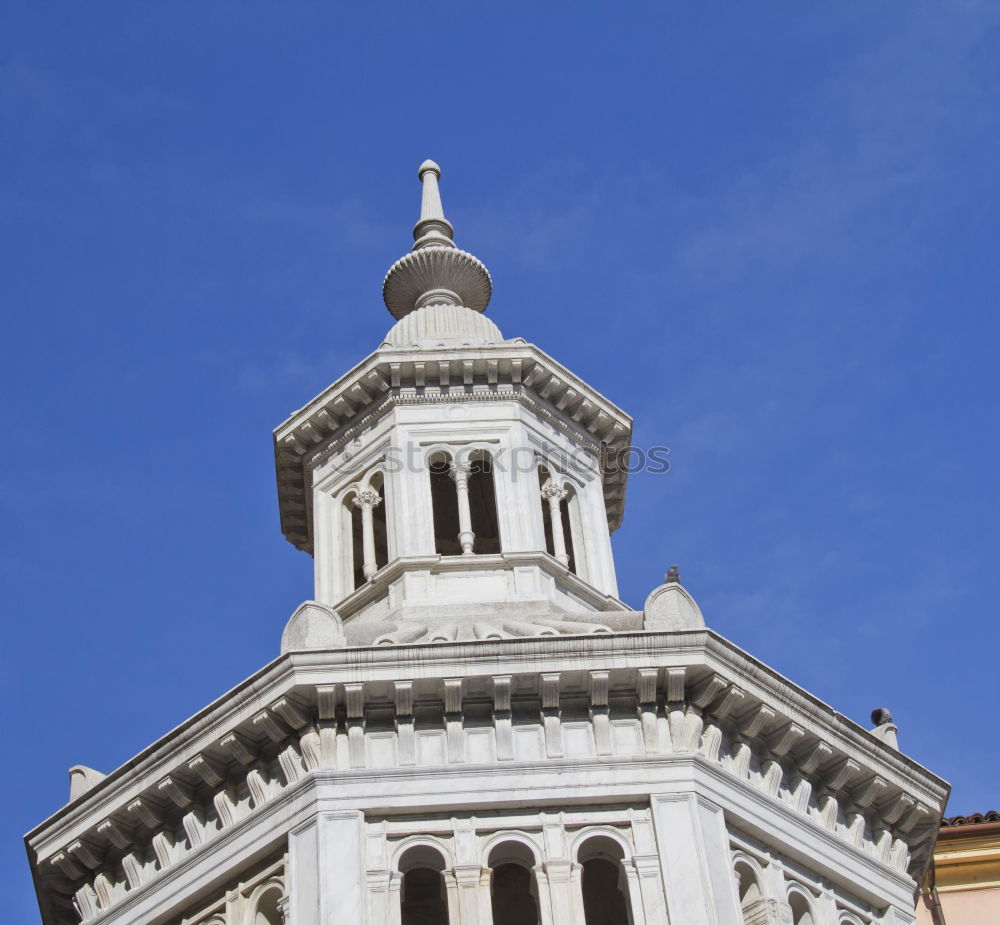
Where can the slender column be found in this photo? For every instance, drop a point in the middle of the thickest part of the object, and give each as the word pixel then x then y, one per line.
pixel 554 494
pixel 460 475
pixel 367 500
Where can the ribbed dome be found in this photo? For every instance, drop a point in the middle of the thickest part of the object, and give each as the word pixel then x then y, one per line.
pixel 443 325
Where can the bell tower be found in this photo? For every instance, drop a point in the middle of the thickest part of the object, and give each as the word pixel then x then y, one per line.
pixel 455 484
pixel 465 725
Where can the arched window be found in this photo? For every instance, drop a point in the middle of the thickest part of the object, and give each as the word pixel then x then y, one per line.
pixel 464 504
pixel 444 504
pixel 753 904
pixel 801 909
pixel 422 897
pixel 514 896
pixel 604 899
pixel 267 912
pixel 483 504
pixel 558 517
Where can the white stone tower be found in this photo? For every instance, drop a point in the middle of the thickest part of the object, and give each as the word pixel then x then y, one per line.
pixel 466 725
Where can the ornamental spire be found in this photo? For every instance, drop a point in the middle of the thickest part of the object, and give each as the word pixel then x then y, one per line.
pixel 433 228
pixel 435 272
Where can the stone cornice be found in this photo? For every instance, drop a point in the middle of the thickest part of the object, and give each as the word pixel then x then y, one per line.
pixel 510 371
pixel 704 694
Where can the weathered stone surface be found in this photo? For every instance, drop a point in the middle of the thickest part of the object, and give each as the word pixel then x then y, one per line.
pixel 313 626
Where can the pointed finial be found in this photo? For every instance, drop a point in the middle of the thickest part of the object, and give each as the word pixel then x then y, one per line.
pixel 435 272
pixel 433 229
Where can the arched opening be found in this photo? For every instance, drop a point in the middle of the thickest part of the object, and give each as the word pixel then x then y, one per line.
pixel 483 505
pixel 422 898
pixel 569 509
pixel 379 523
pixel 267 912
pixel 444 506
pixel 751 895
pixel 801 910
pixel 603 882
pixel 514 896
pixel 543 478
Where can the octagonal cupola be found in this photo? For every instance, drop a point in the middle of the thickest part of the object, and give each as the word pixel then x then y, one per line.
pixel 455 484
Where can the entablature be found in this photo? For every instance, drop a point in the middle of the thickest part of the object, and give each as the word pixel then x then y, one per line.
pixel 389 377
pixel 649 696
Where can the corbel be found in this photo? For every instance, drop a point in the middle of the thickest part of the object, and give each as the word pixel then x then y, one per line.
pixel 273 727
pixel 311 433
pixel 176 791
pixel 467 372
pixel 240 748
pixel 515 371
pixel 164 848
pixel 355 697
pixel 502 717
pixel 67 865
pixel 675 684
pixel 899 856
pixel 801 793
pixel 869 793
pixel 856 823
pixel 755 720
pixel 902 804
pixel 711 741
pixel 141 809
pixel 551 716
pixel 567 399
pixel 419 374
pixel 85 900
pixel 406 745
pixel 104 889
pixel 842 772
pixel 786 739
pixel 491 372
pixel 209 770
pixel 741 756
pixel 193 822
pixel 328 420
pixel 453 719
pixel 706 691
pixel 394 377
pixel 292 712
pixel 883 844
pixel 732 702
pixel 773 773
pixel 257 783
pixel 290 762
pixel 645 687
pixel 814 756
pixel 134 870
pixel 919 813
pixel 225 805
pixel 326 708
pixel 598 709
pixel 829 808
pixel 114 833
pixel 694 723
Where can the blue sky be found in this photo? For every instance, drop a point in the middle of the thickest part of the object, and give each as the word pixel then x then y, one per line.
pixel 767 231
